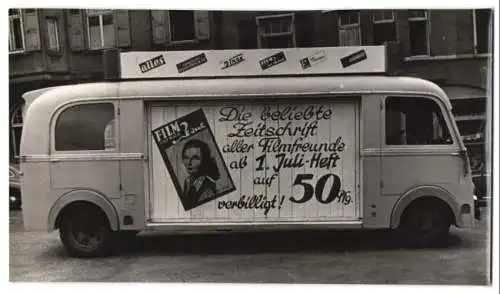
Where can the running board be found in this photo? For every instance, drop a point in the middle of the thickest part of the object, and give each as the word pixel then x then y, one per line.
pixel 251 226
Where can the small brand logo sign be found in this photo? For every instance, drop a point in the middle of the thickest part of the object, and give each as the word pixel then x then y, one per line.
pixel 237 59
pixel 272 60
pixel 314 59
pixel 353 58
pixel 191 63
pixel 152 63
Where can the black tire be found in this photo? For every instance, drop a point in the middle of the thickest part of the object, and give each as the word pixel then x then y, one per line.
pixel 14 199
pixel 425 224
pixel 86 233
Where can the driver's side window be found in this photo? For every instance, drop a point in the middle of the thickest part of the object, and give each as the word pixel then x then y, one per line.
pixel 414 121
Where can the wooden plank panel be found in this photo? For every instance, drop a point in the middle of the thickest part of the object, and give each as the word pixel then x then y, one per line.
pixel 304 136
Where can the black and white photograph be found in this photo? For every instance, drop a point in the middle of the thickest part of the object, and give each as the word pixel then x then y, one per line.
pixel 201 144
pixel 193 159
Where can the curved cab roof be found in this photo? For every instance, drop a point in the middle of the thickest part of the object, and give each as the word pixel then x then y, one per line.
pixel 237 88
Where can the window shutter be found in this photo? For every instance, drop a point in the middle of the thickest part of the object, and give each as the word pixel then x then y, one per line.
pixel 31 30
pixel 342 37
pixel 349 36
pixel 122 28
pixel 160 23
pixel 202 25
pixel 168 33
pixel 355 37
pixel 77 37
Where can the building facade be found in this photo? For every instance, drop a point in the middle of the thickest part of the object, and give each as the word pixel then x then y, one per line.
pixel 62 46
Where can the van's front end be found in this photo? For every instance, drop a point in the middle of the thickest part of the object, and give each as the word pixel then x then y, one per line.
pixel 466 192
pixel 425 168
pixel 466 197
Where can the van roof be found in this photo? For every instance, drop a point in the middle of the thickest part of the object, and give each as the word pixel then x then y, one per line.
pixel 239 88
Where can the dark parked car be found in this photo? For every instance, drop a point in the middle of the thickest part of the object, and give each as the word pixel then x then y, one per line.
pixel 14 188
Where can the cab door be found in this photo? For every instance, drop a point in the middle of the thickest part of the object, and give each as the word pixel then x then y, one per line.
pixel 419 146
pixel 372 204
pixel 132 140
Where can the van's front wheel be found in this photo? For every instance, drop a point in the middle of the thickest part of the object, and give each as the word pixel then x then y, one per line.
pixel 426 223
pixel 86 233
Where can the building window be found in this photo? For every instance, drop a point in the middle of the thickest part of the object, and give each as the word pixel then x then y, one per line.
pixel 16 123
pixel 53 33
pixel 384 26
pixel 415 121
pixel 349 28
pixel 276 31
pixel 483 30
pixel 101 29
pixel 419 32
pixel 86 127
pixel 381 16
pixel 16 36
pixel 247 30
pixel 182 25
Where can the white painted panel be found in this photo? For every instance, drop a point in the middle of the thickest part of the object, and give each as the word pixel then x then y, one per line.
pixel 220 134
pixel 254 62
pixel 286 177
pixel 98 175
pixel 285 172
pixel 247 173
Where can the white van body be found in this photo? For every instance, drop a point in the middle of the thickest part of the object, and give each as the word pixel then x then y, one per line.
pixel 291 152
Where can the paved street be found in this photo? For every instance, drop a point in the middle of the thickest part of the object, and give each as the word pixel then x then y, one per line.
pixel 293 257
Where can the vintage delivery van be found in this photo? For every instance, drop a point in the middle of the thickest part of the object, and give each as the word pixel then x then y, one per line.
pixel 294 138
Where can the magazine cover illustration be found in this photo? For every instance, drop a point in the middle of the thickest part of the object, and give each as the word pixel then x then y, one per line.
pixel 194 161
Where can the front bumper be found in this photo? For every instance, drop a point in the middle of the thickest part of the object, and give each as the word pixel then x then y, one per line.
pixel 478 203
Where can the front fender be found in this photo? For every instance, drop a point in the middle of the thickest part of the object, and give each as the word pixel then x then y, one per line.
pixel 422 191
pixel 87 196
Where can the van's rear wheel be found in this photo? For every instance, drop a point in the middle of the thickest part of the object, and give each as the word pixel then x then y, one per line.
pixel 426 223
pixel 86 233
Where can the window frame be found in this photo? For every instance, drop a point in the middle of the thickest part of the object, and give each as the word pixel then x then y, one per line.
pixel 162 19
pixel 384 22
pixel 90 13
pixel 57 33
pixel 11 18
pixel 342 27
pixel 475 34
pixel 261 36
pixel 446 118
pixel 57 114
pixel 380 21
pixel 419 18
pixel 179 42
pixel 17 112
pixel 427 21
